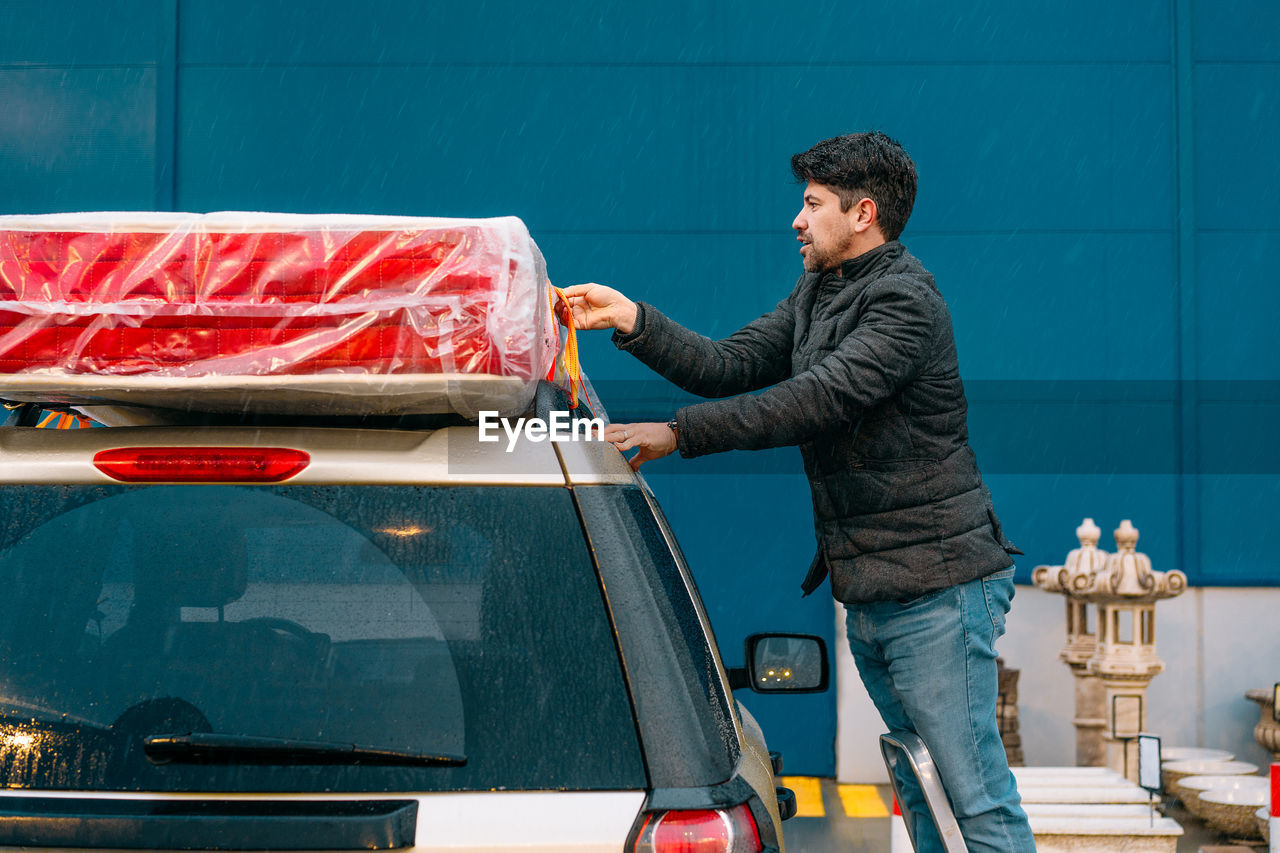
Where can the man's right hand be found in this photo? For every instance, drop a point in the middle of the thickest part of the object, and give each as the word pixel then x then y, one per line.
pixel 598 307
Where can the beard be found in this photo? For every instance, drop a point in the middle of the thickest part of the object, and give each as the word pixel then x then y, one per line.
pixel 830 252
pixel 821 259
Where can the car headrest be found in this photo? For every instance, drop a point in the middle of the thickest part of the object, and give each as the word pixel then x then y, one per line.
pixel 193 566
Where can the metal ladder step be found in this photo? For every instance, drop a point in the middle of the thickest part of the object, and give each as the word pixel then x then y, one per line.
pixel 906 749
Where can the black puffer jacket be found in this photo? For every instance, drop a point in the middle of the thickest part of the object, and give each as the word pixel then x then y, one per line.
pixel 860 371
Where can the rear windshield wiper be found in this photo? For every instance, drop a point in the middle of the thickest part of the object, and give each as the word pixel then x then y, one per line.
pixel 211 748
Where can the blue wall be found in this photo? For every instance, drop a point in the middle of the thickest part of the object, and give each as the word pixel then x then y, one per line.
pixel 1098 202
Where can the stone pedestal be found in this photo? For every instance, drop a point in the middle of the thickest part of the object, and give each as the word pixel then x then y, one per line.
pixel 1125 703
pixel 1089 719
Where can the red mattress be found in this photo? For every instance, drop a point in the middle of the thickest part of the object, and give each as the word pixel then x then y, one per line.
pixel 240 295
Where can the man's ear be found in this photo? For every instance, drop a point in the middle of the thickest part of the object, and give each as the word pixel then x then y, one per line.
pixel 864 214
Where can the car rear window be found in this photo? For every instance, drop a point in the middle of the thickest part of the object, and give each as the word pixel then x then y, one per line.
pixel 460 621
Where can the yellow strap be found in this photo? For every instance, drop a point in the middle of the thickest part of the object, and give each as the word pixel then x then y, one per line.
pixel 570 355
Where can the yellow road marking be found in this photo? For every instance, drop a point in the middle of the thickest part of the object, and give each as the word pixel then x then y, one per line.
pixel 862 801
pixel 808 790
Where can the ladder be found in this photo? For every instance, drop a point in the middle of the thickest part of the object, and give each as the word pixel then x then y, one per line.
pixel 906 749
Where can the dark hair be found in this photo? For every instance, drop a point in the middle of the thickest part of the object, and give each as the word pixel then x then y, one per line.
pixel 864 165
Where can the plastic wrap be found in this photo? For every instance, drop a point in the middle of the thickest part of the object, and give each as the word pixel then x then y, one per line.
pixel 273 312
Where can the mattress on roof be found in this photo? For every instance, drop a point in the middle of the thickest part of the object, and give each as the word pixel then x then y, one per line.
pixel 286 313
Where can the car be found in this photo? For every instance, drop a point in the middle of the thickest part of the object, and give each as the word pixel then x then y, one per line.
pixel 246 631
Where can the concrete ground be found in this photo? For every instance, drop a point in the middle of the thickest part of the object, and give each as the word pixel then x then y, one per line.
pixel 835 817
pixel 838 818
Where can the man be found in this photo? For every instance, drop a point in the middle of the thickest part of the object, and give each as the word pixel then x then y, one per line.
pixel 858 366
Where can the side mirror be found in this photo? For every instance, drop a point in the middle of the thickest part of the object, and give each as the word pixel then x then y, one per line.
pixel 783 663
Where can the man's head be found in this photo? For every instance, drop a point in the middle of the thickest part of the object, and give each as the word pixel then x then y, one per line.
pixel 871 180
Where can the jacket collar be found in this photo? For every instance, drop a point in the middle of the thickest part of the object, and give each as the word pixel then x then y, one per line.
pixel 856 268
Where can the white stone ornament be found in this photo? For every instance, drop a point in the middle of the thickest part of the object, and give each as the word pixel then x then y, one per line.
pixel 1113 667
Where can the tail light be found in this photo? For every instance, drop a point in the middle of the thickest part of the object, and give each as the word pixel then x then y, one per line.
pixel 201 464
pixel 700 831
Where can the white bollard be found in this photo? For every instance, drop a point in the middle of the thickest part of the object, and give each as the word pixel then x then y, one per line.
pixel 899 840
pixel 1275 808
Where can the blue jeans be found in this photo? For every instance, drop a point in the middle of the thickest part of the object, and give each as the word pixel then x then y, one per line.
pixel 929 664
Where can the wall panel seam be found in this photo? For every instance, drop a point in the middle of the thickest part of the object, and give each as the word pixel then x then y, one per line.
pixel 380 66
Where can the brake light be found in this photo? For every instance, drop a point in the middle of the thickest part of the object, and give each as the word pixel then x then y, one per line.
pixel 201 464
pixel 700 831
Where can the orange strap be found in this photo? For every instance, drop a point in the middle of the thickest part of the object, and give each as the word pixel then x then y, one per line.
pixel 570 355
pixel 53 419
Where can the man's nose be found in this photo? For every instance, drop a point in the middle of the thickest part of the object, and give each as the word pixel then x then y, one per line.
pixel 799 223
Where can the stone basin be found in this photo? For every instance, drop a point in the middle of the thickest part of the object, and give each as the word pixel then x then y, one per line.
pixel 1263 818
pixel 1193 786
pixel 1174 771
pixel 1233 812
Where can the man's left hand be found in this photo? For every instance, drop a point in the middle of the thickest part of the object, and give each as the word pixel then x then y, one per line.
pixel 654 440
